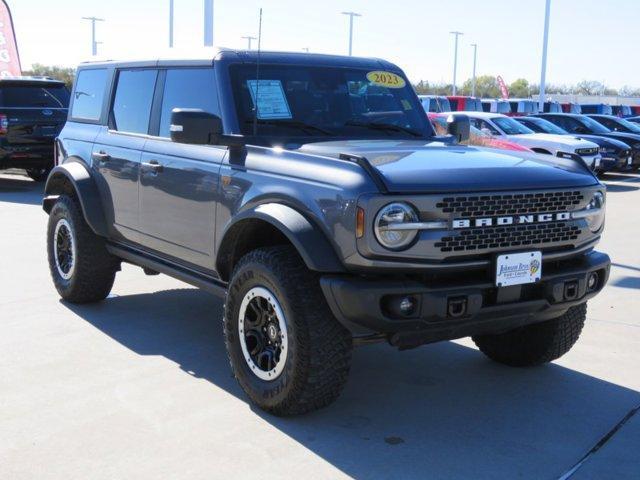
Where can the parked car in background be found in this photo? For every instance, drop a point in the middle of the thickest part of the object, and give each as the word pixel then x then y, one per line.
pixel 32 113
pixel 584 125
pixel 616 124
pixel 435 103
pixel 506 128
pixel 615 153
pixel 496 106
pixel 621 111
pixel 476 137
pixel 465 104
pixel 571 107
pixel 552 106
pixel 599 108
pixel 635 110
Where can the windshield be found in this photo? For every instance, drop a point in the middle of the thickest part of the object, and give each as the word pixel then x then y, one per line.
pixel 32 95
pixel 546 126
pixel 510 126
pixel 323 102
pixel 630 126
pixel 593 126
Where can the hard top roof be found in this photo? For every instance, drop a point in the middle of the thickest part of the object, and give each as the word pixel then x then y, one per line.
pixel 249 56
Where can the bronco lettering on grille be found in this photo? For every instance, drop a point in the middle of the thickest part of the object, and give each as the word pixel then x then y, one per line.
pixel 511 220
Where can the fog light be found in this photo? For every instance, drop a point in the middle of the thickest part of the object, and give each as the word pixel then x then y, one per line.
pixel 592 281
pixel 407 305
pixel 401 306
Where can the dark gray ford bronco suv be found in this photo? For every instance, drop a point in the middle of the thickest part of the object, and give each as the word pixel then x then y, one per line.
pixel 312 193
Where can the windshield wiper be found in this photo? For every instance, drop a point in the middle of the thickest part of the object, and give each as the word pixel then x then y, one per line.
pixel 290 123
pixel 383 126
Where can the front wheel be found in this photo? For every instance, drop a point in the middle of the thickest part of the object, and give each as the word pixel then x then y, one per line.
pixel 537 343
pixel 287 351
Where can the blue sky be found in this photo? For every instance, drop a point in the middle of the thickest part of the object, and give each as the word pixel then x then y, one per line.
pixel 589 39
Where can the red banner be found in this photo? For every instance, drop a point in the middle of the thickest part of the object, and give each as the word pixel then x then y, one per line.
pixel 9 59
pixel 503 87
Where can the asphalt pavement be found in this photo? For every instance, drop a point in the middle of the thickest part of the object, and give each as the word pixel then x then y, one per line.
pixel 138 386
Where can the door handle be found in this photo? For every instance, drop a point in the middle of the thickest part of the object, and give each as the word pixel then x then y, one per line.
pixel 101 156
pixel 154 166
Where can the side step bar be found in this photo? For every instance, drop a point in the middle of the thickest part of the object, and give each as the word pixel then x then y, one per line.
pixel 202 281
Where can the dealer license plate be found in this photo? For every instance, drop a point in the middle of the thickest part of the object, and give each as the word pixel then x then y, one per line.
pixel 518 268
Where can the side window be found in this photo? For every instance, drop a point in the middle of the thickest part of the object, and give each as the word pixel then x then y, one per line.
pixel 132 102
pixel 610 124
pixel 89 94
pixel 187 88
pixel 488 126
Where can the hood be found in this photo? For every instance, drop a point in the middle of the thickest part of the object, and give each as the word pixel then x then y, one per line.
pixel 605 142
pixel 539 139
pixel 631 139
pixel 411 166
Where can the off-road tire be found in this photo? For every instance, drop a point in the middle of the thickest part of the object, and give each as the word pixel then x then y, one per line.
pixel 38 174
pixel 537 343
pixel 95 268
pixel 319 348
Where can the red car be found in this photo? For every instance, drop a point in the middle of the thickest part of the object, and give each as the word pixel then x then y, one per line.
pixel 476 138
pixel 460 103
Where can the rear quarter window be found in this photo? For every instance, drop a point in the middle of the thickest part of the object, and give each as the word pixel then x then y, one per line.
pixel 88 94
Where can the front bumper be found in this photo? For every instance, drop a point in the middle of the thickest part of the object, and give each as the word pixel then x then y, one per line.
pixel 359 302
pixel 612 163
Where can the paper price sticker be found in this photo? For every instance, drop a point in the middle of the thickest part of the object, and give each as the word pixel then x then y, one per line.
pixel 386 79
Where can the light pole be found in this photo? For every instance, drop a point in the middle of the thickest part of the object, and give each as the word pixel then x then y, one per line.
pixel 545 41
pixel 455 59
pixel 473 76
pixel 170 23
pixel 249 38
pixel 94 44
pixel 351 15
pixel 208 23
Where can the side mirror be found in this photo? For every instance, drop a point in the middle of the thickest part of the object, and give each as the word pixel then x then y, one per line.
pixel 195 126
pixel 459 127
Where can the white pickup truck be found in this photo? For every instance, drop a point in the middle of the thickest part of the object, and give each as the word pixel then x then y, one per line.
pixel 506 128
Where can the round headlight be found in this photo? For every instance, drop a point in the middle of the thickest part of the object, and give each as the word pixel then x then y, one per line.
pixel 596 220
pixel 393 227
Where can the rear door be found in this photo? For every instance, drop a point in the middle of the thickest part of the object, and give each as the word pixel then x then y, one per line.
pixel 118 148
pixel 179 182
pixel 34 111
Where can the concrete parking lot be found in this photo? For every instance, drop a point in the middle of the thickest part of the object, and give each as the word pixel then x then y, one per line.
pixel 138 386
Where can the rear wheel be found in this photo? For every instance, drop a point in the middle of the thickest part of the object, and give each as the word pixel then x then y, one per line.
pixel 287 351
pixel 537 343
pixel 38 174
pixel 81 267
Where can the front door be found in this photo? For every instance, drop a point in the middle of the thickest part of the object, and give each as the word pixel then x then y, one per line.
pixel 179 182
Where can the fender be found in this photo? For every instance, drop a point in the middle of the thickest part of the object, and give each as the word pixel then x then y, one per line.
pixel 77 175
pixel 310 242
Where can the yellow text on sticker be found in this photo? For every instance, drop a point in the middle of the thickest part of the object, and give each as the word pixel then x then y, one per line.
pixel 385 79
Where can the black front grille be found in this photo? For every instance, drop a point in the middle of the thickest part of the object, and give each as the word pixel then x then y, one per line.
pixel 509 236
pixel 510 204
pixel 587 151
